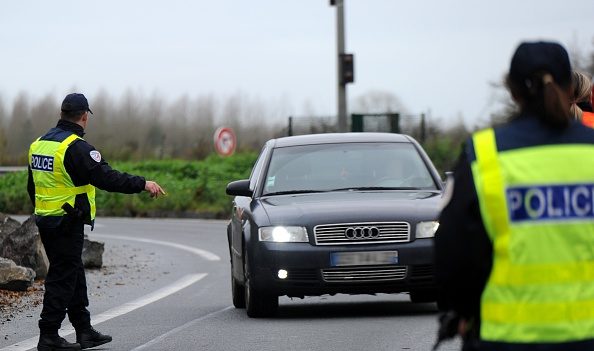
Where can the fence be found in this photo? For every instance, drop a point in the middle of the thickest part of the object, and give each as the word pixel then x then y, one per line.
pixel 4 169
pixel 414 125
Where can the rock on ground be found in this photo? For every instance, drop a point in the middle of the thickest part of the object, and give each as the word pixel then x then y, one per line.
pixel 13 277
pixel 92 255
pixel 23 246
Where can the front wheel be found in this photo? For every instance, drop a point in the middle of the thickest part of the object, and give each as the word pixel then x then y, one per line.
pixel 237 292
pixel 257 303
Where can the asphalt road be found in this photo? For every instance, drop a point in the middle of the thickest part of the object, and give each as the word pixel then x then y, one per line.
pixel 165 285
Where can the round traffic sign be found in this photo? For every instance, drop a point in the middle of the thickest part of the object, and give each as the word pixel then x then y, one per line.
pixel 225 141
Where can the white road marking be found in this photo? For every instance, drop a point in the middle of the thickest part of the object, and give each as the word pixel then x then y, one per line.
pixel 117 311
pixel 207 255
pixel 131 306
pixel 178 329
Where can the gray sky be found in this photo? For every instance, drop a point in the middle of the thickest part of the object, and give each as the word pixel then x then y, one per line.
pixel 437 56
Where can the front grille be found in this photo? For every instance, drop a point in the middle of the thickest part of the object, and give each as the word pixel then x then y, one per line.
pixel 422 273
pixel 423 270
pixel 364 274
pixel 389 232
pixel 302 274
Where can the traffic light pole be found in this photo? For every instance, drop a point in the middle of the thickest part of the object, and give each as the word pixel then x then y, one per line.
pixel 341 97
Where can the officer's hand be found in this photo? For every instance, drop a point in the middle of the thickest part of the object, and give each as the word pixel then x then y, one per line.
pixel 154 188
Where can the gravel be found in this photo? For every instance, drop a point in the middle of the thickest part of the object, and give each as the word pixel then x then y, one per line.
pixel 125 268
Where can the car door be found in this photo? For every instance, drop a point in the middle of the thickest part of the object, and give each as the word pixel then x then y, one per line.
pixel 241 214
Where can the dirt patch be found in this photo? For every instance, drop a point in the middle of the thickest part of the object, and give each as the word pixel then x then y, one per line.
pixel 13 303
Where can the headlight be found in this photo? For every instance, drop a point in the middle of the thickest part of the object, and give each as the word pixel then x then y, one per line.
pixel 281 234
pixel 426 229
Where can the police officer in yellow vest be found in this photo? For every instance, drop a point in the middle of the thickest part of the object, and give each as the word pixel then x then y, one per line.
pixel 63 173
pixel 515 246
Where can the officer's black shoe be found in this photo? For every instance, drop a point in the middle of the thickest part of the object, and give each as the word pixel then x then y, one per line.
pixel 53 342
pixel 88 338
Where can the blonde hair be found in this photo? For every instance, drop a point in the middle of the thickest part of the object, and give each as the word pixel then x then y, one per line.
pixel 581 89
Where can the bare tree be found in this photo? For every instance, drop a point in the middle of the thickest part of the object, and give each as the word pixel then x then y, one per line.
pixel 579 59
pixel 231 113
pixel 378 101
pixel 3 115
pixel 202 125
pixel 3 141
pixel 254 132
pixel 21 127
pixel 126 128
pixel 101 123
pixel 176 135
pixel 590 67
pixel 45 113
pixel 154 141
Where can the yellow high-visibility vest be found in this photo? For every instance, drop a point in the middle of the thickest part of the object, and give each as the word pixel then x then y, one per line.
pixel 537 205
pixel 53 185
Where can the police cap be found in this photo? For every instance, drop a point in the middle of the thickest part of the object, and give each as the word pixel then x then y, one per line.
pixel 532 57
pixel 75 102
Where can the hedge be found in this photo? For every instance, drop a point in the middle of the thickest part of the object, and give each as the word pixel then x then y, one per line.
pixel 194 188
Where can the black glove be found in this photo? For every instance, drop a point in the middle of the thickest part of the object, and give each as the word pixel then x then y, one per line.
pixel 75 213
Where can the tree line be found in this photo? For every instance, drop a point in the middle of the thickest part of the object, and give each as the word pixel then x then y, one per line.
pixel 137 127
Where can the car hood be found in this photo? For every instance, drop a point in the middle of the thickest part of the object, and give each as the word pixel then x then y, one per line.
pixel 352 206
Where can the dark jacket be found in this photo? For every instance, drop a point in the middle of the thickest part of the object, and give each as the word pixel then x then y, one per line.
pixel 83 169
pixel 463 249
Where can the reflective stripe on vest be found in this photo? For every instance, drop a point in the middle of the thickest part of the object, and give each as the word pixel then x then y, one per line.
pixel 537 205
pixel 53 185
pixel 588 119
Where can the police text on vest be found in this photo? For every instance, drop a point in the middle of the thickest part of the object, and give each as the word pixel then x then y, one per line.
pixel 551 202
pixel 42 163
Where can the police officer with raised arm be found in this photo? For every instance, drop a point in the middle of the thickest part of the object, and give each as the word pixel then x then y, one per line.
pixel 515 246
pixel 64 171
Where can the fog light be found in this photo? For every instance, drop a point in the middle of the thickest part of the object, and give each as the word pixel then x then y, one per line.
pixel 282 274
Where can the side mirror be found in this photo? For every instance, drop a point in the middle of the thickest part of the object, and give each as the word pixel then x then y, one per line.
pixel 239 188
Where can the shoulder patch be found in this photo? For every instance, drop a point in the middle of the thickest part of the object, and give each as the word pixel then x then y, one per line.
pixel 95 155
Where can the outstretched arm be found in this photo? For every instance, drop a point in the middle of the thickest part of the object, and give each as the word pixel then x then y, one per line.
pixel 86 165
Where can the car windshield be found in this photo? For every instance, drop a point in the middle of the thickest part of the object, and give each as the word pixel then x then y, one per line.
pixel 346 166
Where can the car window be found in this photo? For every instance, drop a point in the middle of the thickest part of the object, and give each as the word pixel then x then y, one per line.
pixel 257 169
pixel 359 165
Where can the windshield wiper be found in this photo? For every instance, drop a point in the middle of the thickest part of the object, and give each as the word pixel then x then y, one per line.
pixel 289 192
pixel 377 188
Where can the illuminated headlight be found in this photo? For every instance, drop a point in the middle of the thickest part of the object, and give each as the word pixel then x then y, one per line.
pixel 283 234
pixel 426 229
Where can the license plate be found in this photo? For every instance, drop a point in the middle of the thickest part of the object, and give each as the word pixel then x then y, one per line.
pixel 364 258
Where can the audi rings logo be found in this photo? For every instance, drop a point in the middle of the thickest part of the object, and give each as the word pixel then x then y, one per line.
pixel 354 233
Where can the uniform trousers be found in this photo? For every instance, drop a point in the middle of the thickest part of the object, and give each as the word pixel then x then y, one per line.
pixel 65 284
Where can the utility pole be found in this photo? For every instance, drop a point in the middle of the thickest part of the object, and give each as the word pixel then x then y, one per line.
pixel 340 66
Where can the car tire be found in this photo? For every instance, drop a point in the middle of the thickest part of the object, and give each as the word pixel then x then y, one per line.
pixel 257 303
pixel 237 292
